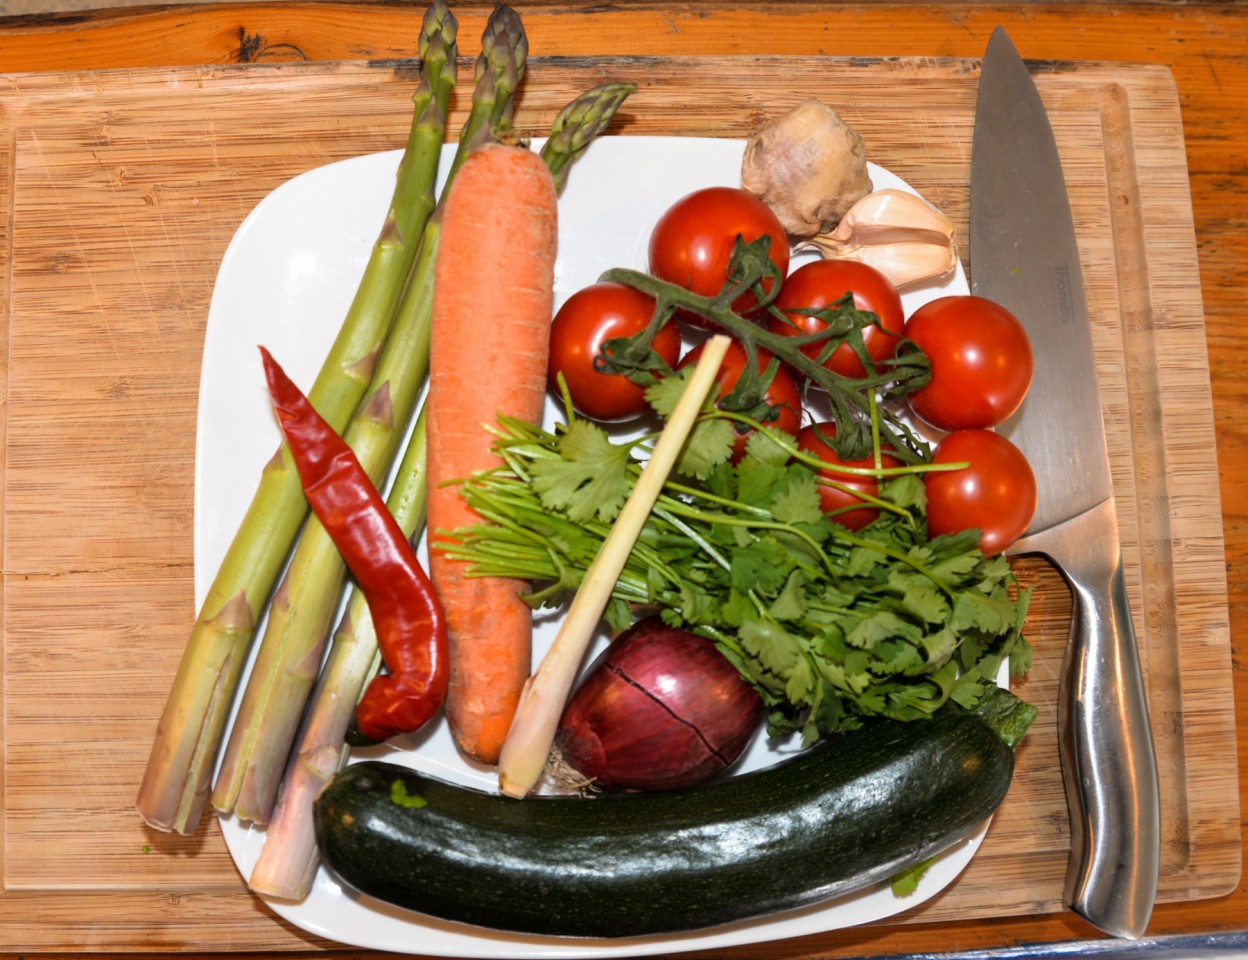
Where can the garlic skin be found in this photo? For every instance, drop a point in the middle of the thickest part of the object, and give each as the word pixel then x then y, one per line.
pixel 809 166
pixel 900 234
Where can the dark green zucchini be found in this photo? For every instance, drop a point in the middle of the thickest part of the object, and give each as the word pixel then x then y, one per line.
pixel 831 820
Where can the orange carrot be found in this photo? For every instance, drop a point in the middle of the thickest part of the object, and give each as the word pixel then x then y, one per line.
pixel 492 305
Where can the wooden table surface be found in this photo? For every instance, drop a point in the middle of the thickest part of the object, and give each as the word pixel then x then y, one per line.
pixel 1203 44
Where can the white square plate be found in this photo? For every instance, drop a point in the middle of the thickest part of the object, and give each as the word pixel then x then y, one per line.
pixel 286 282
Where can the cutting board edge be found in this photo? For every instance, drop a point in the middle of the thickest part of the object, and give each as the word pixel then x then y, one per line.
pixel 664 59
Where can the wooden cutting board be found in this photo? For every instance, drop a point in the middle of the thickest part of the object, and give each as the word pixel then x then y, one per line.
pixel 119 192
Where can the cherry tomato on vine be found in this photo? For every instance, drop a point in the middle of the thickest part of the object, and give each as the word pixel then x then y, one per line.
pixel 996 494
pixel 691 244
pixel 783 395
pixel 820 284
pixel 854 514
pixel 587 320
pixel 981 362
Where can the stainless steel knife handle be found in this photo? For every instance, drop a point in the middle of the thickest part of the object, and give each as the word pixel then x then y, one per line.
pixel 1108 762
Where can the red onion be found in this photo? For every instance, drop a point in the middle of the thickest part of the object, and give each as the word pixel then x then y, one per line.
pixel 660 709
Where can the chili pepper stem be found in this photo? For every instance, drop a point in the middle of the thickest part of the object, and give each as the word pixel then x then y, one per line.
pixel 184 752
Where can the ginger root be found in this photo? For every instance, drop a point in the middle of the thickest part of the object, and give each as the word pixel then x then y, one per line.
pixel 809 166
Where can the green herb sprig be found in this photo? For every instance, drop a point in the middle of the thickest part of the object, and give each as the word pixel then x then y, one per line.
pixel 830 626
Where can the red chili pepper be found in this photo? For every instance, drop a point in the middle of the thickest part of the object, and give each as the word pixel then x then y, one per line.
pixel 410 624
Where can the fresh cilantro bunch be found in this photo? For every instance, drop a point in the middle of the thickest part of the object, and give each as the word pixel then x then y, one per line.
pixel 830 626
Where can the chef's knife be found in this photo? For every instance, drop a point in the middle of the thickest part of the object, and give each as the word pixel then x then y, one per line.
pixel 1024 256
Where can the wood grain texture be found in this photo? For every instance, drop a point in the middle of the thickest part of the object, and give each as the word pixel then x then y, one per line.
pixel 124 569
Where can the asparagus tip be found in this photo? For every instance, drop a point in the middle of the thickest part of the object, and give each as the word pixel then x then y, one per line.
pixel 578 123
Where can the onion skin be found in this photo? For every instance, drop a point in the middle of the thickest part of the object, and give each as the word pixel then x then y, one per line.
pixel 660 709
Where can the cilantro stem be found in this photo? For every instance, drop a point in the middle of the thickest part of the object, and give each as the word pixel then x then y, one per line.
pixel 879 471
pixel 654 561
pixel 666 511
pixel 678 507
pixel 709 497
pixel 720 637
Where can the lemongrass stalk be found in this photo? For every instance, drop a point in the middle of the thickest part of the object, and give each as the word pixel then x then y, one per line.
pixel 188 737
pixel 301 612
pixel 288 860
pixel 527 747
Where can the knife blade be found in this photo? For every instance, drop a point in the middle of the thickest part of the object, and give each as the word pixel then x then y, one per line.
pixel 1024 256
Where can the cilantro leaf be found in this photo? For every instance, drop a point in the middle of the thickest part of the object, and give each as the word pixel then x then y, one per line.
pixel 974 611
pixel 798 501
pixel 773 647
pixel 996 570
pixel 790 603
pixel 721 481
pixel 864 560
pixel 905 491
pixel 905 882
pixel 664 394
pixel 761 566
pixel 618 615
pixel 710 444
pixel 919 597
pixel 737 608
pixel 896 656
pixel 968 689
pixel 589 479
pixel 763 446
pixel 870 631
pixel 843 666
pixel 800 685
pixel 758 482
pixel 940 646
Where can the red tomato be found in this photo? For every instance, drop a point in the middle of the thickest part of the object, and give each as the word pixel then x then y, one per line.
pixel 981 362
pixel 691 244
pixel 587 320
pixel 783 395
pixel 810 440
pixel 996 494
pixel 821 284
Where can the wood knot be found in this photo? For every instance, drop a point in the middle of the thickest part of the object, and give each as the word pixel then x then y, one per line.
pixel 253 47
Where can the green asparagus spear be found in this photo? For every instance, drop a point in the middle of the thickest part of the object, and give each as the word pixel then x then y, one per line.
pixel 288 859
pixel 499 69
pixel 302 609
pixel 579 123
pixel 176 783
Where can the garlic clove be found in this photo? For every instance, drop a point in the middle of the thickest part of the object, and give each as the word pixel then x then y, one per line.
pixel 900 234
pixel 905 264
